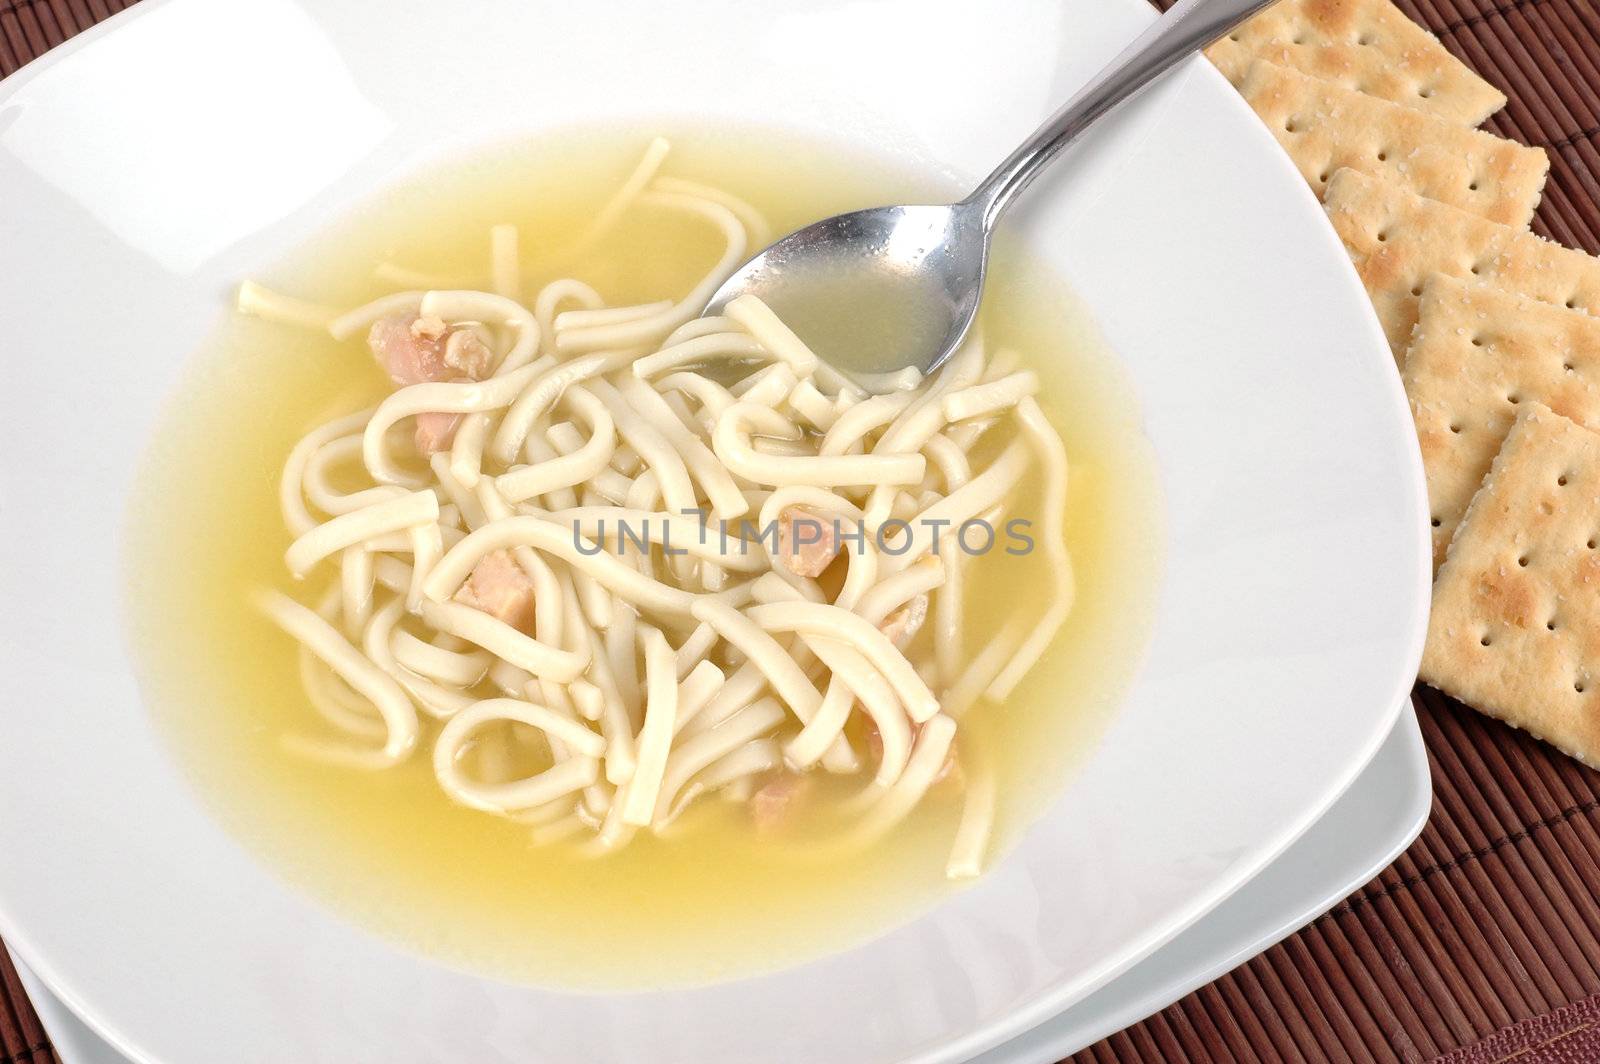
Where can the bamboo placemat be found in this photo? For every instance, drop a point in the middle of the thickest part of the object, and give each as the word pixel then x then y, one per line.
pixel 1482 942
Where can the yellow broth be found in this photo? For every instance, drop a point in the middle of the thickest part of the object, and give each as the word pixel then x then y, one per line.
pixel 713 900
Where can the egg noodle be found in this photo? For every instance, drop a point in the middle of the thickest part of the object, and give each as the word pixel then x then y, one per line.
pixel 607 561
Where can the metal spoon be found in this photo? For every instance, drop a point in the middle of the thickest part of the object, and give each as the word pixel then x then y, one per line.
pixel 892 287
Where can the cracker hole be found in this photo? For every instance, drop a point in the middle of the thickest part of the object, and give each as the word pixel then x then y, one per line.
pixel 1568 366
pixel 1476 269
pixel 1572 304
pixel 1513 399
pixel 1485 641
pixel 1523 561
pixel 1425 93
pixel 1477 341
pixel 1233 37
pixel 1437 522
pixel 1591 543
pixel 1364 40
pixel 1561 481
pixel 1550 625
pixel 1578 686
pixel 1473 187
pixel 1300 39
pixel 1383 235
pixel 1383 155
pixel 1456 429
pixel 1417 291
pixel 1290 127
pixel 1325 175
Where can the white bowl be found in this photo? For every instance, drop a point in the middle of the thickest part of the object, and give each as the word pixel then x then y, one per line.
pixel 147 165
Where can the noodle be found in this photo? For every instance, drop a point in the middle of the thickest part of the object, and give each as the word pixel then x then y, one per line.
pixel 663 556
pixel 262 302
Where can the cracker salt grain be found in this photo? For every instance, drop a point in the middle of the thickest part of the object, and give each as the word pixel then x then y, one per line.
pixel 1398 240
pixel 1477 355
pixel 1515 629
pixel 1324 127
pixel 1366 46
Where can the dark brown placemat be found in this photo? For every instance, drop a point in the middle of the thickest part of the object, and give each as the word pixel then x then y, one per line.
pixel 1483 940
pixel 29 28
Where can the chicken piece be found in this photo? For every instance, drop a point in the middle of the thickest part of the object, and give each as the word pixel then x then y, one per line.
pixel 902 625
pixel 776 800
pixel 429 327
pixel 467 354
pixel 416 350
pixel 410 349
pixel 436 431
pixel 807 541
pixel 498 586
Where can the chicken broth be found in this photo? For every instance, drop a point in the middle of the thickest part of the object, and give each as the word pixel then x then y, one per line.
pixel 735 885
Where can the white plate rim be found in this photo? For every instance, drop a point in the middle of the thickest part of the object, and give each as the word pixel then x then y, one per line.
pixel 58 1020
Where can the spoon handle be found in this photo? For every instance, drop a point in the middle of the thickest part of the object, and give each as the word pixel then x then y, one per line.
pixel 1185 28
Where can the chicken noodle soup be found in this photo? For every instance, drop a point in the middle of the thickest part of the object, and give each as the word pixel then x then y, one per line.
pixel 622 578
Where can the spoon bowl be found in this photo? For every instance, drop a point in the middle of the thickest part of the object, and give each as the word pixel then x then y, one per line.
pixel 880 291
pixel 876 290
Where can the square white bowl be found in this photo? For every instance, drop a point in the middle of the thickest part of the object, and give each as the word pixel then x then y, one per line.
pixel 147 165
